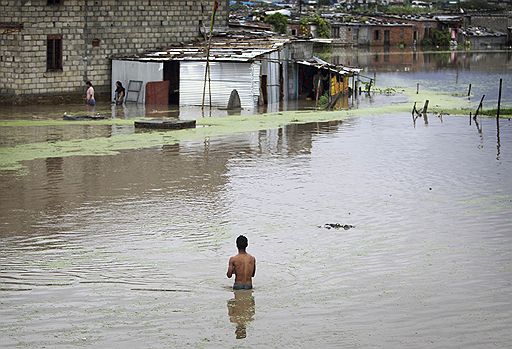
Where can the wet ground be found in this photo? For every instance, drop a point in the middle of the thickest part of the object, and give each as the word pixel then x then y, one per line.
pixel 130 250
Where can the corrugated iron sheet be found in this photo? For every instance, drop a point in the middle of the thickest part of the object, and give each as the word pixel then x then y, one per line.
pixel 125 71
pixel 225 77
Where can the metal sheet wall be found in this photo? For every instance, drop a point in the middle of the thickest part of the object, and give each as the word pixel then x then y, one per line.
pixel 225 77
pixel 125 71
pixel 271 69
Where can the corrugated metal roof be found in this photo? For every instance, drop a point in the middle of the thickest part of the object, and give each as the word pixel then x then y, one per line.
pixel 244 46
pixel 321 64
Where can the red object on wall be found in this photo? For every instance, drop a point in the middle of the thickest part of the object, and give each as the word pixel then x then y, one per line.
pixel 157 93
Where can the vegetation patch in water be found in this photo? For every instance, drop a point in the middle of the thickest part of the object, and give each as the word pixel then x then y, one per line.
pixel 12 157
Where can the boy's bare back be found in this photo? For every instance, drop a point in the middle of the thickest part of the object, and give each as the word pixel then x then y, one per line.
pixel 243 265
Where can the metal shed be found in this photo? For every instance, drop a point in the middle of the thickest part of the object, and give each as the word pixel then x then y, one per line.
pixel 256 67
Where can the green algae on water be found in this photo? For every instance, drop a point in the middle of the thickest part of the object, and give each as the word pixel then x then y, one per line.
pixel 12 157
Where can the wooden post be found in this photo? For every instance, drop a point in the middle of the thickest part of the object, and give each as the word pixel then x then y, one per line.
pixel 330 86
pixel 499 103
pixel 479 107
pixel 417 88
pixel 318 87
pixel 208 46
pixel 469 92
pixel 425 107
pixel 469 118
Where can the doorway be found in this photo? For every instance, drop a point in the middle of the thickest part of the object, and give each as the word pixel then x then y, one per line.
pixel 172 74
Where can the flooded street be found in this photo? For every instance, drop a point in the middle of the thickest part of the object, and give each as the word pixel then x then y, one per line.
pixel 131 250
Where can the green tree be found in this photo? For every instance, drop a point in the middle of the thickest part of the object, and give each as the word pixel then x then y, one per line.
pixel 323 27
pixel 439 38
pixel 278 21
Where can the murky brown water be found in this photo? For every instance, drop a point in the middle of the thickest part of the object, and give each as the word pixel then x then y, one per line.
pixel 131 250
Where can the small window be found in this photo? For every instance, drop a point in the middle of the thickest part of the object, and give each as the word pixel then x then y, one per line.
pixel 54 2
pixel 96 42
pixel 376 35
pixel 54 53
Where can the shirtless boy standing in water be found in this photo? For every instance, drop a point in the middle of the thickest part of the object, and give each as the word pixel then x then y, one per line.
pixel 243 265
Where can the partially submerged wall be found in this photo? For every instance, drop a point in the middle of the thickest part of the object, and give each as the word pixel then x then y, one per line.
pixel 92 32
pixel 225 77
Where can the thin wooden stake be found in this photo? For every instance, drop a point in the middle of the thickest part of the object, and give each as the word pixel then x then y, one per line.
pixel 425 107
pixel 469 92
pixel 208 47
pixel 479 107
pixel 499 103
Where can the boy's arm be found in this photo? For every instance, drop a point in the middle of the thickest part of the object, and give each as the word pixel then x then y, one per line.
pixel 254 270
pixel 231 268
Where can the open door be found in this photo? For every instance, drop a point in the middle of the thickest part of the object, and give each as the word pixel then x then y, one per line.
pixel 172 74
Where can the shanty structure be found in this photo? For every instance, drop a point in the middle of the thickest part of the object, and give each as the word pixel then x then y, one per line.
pixel 264 69
pixel 317 77
pixel 253 65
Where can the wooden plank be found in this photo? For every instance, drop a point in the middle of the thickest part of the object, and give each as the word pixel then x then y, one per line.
pixel 165 124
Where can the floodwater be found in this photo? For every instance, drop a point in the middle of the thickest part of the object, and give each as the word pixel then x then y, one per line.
pixel 450 72
pixel 131 250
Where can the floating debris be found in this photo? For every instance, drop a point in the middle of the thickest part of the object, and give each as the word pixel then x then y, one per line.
pixel 338 226
pixel 166 124
pixel 83 117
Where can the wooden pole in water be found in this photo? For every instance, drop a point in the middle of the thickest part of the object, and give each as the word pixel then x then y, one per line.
pixel 469 92
pixel 208 46
pixel 479 107
pixel 417 88
pixel 425 107
pixel 499 104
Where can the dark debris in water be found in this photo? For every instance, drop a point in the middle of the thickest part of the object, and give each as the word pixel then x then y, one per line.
pixel 83 117
pixel 337 226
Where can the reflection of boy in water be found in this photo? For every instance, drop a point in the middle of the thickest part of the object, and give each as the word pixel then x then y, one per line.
pixel 243 265
pixel 241 311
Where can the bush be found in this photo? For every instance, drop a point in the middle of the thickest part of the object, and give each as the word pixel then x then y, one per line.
pixel 323 101
pixel 439 38
pixel 279 22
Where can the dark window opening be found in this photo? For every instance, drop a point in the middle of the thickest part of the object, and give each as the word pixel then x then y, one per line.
pixel 376 35
pixel 96 42
pixel 54 53
pixel 54 2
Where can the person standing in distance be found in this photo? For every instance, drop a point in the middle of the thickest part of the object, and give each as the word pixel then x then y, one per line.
pixel 89 94
pixel 243 265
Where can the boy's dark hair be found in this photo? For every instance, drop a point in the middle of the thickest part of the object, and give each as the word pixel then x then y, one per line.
pixel 241 242
pixel 88 83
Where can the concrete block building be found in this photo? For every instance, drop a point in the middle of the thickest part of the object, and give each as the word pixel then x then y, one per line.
pixel 49 48
pixel 363 34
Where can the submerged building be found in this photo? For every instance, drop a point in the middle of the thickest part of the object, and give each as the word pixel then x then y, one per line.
pixel 264 69
pixel 49 48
